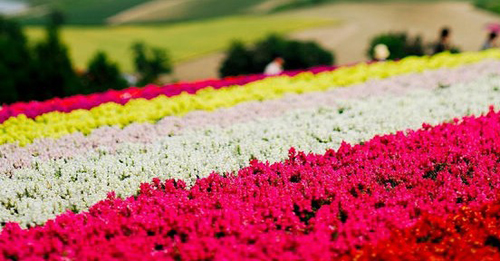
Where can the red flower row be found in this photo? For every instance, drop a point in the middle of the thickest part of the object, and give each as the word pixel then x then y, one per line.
pixel 307 207
pixel 470 234
pixel 35 108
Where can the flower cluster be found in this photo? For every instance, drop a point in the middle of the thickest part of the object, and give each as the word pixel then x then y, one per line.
pixel 56 124
pixel 469 234
pixel 307 207
pixel 31 195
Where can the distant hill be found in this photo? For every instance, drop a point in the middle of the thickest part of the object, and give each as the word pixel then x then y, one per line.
pixel 93 12
pixel 83 12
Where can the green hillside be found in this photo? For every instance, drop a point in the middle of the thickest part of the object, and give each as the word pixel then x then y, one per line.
pixel 92 12
pixel 84 12
pixel 490 5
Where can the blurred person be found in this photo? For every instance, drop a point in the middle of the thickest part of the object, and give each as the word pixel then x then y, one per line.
pixel 131 79
pixel 275 67
pixel 381 52
pixel 491 41
pixel 443 43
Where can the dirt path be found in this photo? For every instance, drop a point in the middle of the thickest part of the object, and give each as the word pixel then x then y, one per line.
pixel 361 21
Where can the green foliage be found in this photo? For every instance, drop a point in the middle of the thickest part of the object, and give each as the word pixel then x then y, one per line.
pixel 240 61
pixel 150 63
pixel 45 71
pixel 297 55
pixel 455 49
pixel 490 5
pixel 56 18
pixel 54 72
pixel 102 75
pixel 399 45
pixel 15 63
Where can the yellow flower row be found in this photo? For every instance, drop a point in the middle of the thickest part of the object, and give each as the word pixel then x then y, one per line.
pixel 56 124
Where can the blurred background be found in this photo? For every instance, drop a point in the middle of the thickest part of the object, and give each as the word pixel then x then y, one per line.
pixel 85 46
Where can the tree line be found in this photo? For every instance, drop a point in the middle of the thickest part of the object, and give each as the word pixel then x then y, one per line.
pixel 44 70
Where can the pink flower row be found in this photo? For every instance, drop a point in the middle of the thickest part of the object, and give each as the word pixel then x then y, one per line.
pixel 308 207
pixel 35 108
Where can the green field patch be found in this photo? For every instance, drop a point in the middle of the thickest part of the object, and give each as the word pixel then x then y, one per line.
pixel 184 41
pixel 83 12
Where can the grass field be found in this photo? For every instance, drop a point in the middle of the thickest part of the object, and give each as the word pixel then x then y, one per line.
pixel 183 41
pixel 84 12
pixel 94 12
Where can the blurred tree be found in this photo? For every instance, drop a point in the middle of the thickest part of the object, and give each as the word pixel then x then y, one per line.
pixel 56 18
pixel 150 63
pixel 239 60
pixel 296 54
pixel 102 75
pixel 15 63
pixel 264 51
pixel 54 71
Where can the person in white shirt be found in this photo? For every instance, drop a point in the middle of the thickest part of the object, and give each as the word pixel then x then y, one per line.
pixel 275 67
pixel 381 52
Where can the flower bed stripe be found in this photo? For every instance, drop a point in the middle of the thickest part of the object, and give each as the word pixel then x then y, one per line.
pixel 308 207
pixel 470 234
pixel 68 104
pixel 15 157
pixel 54 124
pixel 33 195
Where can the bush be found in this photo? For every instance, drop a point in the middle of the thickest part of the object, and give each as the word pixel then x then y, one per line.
pixel 242 59
pixel 46 71
pixel 15 63
pixel 150 63
pixel 240 62
pixel 54 72
pixel 102 75
pixel 399 45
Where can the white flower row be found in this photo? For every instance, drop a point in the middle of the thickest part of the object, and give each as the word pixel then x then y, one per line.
pixel 14 157
pixel 50 187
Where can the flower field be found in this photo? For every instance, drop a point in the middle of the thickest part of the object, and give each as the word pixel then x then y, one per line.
pixel 392 160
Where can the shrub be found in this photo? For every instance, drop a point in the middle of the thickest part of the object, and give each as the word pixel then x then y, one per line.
pixel 399 44
pixel 55 74
pixel 243 59
pixel 150 63
pixel 240 62
pixel 15 63
pixel 102 75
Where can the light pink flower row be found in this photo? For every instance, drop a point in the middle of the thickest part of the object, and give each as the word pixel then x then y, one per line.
pixel 308 207
pixel 14 156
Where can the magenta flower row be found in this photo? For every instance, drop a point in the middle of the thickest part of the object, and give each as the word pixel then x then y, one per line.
pixel 35 108
pixel 307 207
